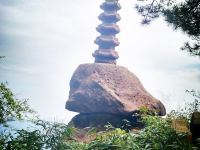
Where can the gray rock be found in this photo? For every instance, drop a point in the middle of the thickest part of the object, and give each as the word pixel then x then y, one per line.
pixel 107 88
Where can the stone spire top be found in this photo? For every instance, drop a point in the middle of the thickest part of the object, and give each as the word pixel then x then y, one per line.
pixel 108 29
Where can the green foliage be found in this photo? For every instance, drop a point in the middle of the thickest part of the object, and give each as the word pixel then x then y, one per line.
pixel 110 140
pixel 152 9
pixel 10 107
pixel 188 109
pixel 157 135
pixel 44 135
pixel 24 140
pixel 184 16
pixel 47 135
pixel 53 135
pixel 193 49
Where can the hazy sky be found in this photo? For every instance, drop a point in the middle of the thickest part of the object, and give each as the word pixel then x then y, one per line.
pixel 45 40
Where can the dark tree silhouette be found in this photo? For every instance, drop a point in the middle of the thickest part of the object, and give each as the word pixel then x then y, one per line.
pixel 184 16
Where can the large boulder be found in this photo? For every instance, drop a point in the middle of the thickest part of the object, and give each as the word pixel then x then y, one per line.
pixel 108 88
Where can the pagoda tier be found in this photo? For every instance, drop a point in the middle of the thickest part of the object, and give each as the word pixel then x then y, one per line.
pixel 108 29
pixel 109 17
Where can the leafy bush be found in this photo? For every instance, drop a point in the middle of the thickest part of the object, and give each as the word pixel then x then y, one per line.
pixel 45 135
pixel 10 107
pixel 157 133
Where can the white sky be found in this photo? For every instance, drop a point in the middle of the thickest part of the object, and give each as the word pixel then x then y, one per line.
pixel 45 40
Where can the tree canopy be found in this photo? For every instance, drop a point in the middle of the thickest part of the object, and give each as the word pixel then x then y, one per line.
pixel 184 15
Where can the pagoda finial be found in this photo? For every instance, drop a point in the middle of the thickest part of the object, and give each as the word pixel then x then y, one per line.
pixel 108 29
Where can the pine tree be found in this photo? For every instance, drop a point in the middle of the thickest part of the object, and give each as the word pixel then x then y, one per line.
pixel 184 16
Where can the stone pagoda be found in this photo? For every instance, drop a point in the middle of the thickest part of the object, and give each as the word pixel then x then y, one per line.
pixel 107 41
pixel 103 92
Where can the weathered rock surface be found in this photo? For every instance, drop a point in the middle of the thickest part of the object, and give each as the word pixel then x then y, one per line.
pixel 100 120
pixel 107 88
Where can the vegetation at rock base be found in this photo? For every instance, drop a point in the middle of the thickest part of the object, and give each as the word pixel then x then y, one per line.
pixel 157 134
pixel 182 15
